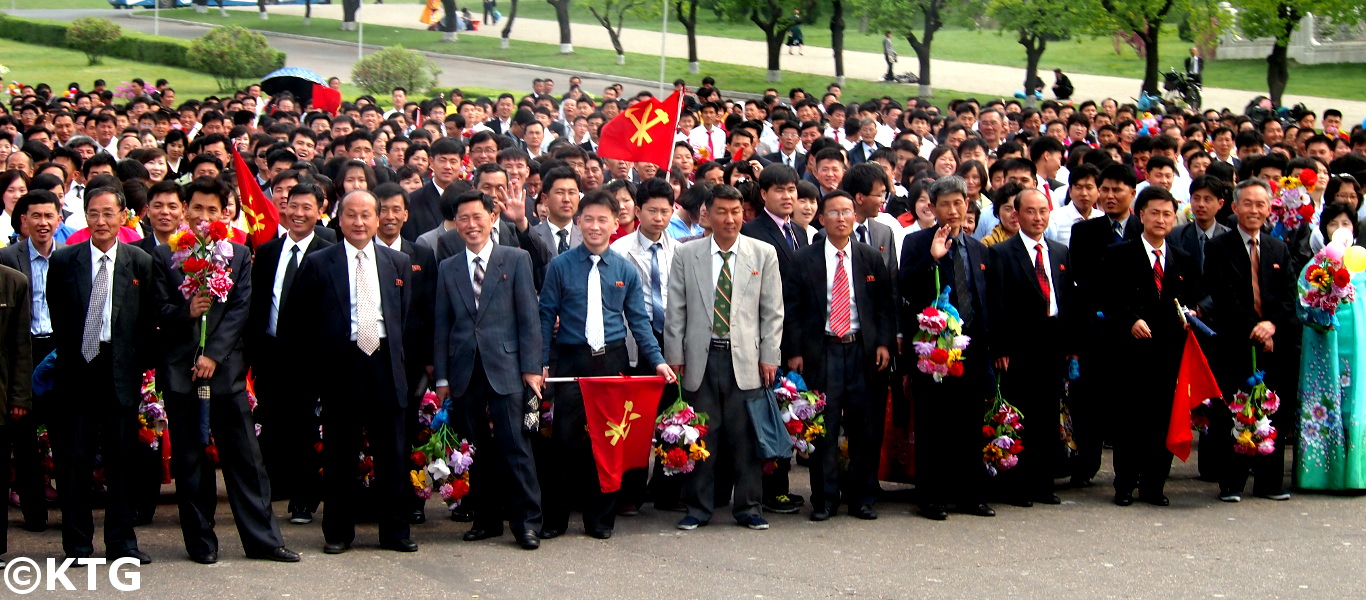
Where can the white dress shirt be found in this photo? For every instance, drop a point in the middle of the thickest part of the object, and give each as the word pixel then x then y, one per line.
pixel 714 141
pixel 278 287
pixel 106 333
pixel 831 261
pixel 1153 258
pixel 397 245
pixel 1062 220
pixel 1029 246
pixel 483 255
pixel 555 233
pixel 371 282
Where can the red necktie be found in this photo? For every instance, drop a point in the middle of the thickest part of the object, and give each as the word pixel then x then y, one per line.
pixel 1157 270
pixel 839 299
pixel 1041 272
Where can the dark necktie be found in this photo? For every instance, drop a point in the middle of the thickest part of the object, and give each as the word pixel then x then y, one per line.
pixel 720 317
pixel 1157 270
pixel 1041 273
pixel 291 268
pixel 863 234
pixel 962 297
pixel 1119 230
pixel 1200 258
pixel 791 238
pixel 564 241
pixel 656 289
pixel 477 280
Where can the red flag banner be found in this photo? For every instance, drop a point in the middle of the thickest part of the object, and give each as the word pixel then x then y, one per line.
pixel 1194 385
pixel 644 132
pixel 326 99
pixel 263 218
pixel 621 423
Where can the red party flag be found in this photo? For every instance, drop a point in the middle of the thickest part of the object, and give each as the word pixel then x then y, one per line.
pixel 326 99
pixel 263 218
pixel 621 422
pixel 644 132
pixel 1194 384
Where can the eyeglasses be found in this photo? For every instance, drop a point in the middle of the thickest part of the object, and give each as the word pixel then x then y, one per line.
pixel 837 214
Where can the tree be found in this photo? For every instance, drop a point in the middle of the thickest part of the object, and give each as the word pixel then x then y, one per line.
pixel 774 18
pixel 689 21
pixel 610 12
pixel 562 15
pixel 1144 18
pixel 837 38
pixel 1279 19
pixel 232 54
pixel 93 36
pixel 1037 22
pixel 905 17
pixel 448 22
pixel 507 27
pixel 393 67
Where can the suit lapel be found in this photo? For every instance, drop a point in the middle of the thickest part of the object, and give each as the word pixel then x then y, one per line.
pixel 702 270
pixel 493 275
pixel 1026 261
pixel 341 279
pixel 83 281
pixel 122 282
pixel 391 299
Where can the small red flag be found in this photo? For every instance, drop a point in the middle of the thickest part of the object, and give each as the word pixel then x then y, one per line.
pixel 643 132
pixel 263 218
pixel 326 99
pixel 621 423
pixel 1194 384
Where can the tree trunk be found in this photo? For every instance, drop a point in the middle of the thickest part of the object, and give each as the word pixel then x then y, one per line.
pixel 1277 72
pixel 775 53
pixel 562 15
pixel 1034 47
pixel 1149 38
pixel 507 27
pixel 837 39
pixel 863 24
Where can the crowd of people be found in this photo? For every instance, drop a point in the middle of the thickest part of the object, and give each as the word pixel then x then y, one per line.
pixel 471 248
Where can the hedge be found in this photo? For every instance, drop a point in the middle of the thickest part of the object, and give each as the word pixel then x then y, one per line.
pixel 131 45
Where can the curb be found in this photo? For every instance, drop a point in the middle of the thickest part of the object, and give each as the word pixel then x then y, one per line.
pixel 473 59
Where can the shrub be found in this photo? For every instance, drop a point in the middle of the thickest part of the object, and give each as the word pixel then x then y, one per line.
pixel 93 36
pixel 393 67
pixel 231 54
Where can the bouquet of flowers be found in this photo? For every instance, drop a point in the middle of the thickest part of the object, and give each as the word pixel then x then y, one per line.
pixel 1290 202
pixel 1325 285
pixel 802 411
pixel 678 435
pixel 443 461
pixel 940 342
pixel 151 413
pixel 204 254
pixel 1002 431
pixel 15 88
pixel 1253 433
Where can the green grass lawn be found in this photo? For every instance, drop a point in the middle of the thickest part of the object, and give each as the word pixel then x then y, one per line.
pixel 587 60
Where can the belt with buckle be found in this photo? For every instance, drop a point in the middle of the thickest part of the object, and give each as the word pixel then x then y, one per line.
pixel 847 338
pixel 599 352
pixel 720 344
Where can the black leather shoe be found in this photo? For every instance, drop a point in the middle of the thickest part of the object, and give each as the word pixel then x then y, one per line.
pixel 528 540
pixel 980 510
pixel 1020 502
pixel 549 533
pixel 34 526
pixel 400 545
pixel 820 513
pixel 934 512
pixel 1155 500
pixel 462 515
pixel 281 554
pixel 133 553
pixel 600 534
pixel 336 548
pixel 863 511
pixel 206 558
pixel 475 534
pixel 417 518
pixel 1123 498
pixel 1049 499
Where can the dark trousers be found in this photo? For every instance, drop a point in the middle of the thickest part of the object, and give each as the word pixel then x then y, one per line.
pixel 850 403
pixel 889 76
pixel 1282 375
pixel 573 473
pixel 234 433
pixel 417 388
pixel 503 483
pixel 662 490
pixel 1086 400
pixel 365 405
pixel 730 438
pixel 1141 457
pixel 23 438
pixel 288 415
pixel 93 422
pixel 948 437
pixel 1034 384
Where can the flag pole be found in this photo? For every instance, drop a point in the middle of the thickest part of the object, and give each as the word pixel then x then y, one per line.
pixel 663 41
pixel 574 379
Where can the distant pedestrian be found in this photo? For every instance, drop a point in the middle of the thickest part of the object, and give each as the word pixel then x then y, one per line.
pixel 1062 86
pixel 794 35
pixel 889 54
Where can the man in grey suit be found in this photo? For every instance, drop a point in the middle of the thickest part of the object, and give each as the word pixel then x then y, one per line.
pixel 488 346
pixel 560 193
pixel 725 322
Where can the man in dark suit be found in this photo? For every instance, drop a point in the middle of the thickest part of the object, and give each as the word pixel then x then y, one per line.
pixel 774 226
pixel 511 227
pixel 16 374
pixel 948 414
pixel 1207 197
pixel 560 191
pixel 789 148
pixel 1145 276
pixel 487 347
pixel 103 303
pixel 839 326
pixel 424 210
pixel 1252 305
pixel 862 150
pixel 1088 397
pixel 1029 284
pixel 187 368
pixel 289 423
pixel 369 390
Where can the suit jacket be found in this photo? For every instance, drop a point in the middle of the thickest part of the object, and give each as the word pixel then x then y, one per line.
pixel 756 310
pixel 227 326
pixel 16 363
pixel 264 267
pixel 16 257
pixel 916 281
pixel 799 160
pixel 429 239
pixel 324 232
pixel 450 243
pixel 320 316
pixel 807 309
pixel 133 318
pixel 764 229
pixel 147 244
pixel 1228 276
pixel 424 211
pixel 858 154
pixel 1187 238
pixel 1087 247
pixel 882 239
pixel 1019 312
pixel 503 331
pixel 419 338
pixel 1133 295
pixel 550 241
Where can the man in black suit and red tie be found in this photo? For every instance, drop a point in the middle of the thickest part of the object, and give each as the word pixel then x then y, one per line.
pixel 102 298
pixel 289 424
pixel 839 327
pixel 1145 277
pixel 1252 305
pixel 1029 284
pixel 1090 238
pixel 364 352
pixel 948 414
